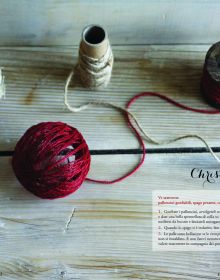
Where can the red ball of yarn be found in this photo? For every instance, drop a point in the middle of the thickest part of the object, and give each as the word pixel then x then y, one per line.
pixel 51 160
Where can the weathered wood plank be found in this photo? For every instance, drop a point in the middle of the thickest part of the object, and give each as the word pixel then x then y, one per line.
pixel 35 79
pixel 109 236
pixel 53 22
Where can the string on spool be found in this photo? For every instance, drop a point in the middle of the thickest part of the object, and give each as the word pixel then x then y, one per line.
pixel 95 60
pixel 210 83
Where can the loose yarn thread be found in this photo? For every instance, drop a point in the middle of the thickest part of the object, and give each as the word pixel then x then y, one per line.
pixel 52 159
pixel 95 73
pixel 117 107
pixel 50 146
pixel 133 122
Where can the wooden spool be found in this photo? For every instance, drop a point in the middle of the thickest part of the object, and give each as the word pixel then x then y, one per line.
pixel 96 47
pixel 212 62
pixel 94 41
pixel 212 66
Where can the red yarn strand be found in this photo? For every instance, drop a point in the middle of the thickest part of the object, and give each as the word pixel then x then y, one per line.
pixel 138 135
pixel 141 161
pixel 173 102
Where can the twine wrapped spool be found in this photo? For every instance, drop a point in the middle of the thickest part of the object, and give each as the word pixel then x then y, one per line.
pixel 95 58
pixel 210 83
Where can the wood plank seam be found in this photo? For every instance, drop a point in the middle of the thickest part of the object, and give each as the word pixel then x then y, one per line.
pixel 139 151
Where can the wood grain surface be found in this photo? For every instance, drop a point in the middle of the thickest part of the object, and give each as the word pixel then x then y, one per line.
pixel 109 234
pixel 35 79
pixel 103 232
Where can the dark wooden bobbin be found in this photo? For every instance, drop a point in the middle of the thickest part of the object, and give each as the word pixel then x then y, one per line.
pixel 211 75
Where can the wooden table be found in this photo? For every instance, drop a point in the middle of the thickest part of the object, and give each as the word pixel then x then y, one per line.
pixel 103 232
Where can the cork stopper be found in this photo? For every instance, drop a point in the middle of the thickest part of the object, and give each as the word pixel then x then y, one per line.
pixel 94 41
pixel 212 61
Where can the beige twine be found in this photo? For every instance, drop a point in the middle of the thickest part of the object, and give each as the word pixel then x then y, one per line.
pixel 145 135
pixel 2 85
pixel 95 73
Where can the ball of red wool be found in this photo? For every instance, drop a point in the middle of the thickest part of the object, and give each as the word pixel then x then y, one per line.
pixel 51 160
